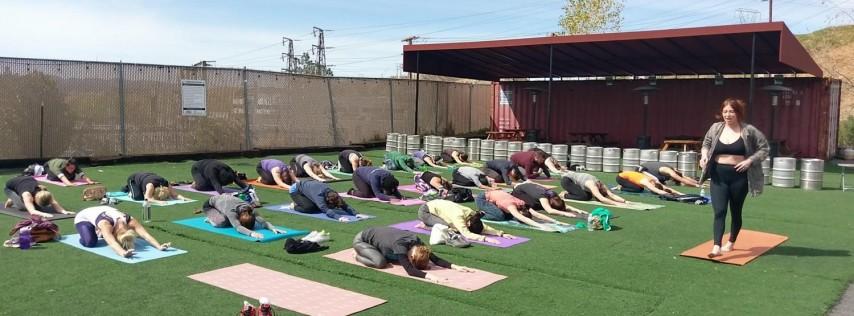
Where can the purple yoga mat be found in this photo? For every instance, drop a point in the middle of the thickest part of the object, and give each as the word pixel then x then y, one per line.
pixel 189 188
pixel 406 202
pixel 503 242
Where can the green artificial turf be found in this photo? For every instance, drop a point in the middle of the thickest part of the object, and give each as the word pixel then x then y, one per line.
pixel 634 269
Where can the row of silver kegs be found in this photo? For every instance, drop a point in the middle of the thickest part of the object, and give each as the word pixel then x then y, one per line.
pixel 605 159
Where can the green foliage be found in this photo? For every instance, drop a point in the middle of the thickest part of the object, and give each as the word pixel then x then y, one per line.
pixel 846 132
pixel 307 66
pixel 591 16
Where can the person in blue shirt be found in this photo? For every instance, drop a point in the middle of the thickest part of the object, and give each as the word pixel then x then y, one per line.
pixel 312 197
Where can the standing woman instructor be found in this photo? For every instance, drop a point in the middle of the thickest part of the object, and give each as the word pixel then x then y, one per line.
pixel 731 156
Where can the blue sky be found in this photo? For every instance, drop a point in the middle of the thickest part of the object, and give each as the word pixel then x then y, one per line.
pixel 364 36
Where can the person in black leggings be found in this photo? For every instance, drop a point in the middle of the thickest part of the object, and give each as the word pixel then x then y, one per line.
pixel 731 154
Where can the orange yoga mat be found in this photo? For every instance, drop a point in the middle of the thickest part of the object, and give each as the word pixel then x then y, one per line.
pixel 750 245
pixel 259 184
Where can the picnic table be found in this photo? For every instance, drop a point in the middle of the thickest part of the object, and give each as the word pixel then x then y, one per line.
pixel 685 143
pixel 588 138
pixel 509 134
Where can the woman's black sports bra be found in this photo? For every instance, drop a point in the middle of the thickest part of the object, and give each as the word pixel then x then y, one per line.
pixel 737 148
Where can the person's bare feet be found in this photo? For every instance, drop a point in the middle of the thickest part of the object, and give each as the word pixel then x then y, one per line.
pixel 727 247
pixel 716 251
pixel 421 225
pixel 8 203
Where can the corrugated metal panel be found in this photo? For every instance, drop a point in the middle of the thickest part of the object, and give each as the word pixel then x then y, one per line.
pixel 361 109
pixel 681 107
pixel 289 111
pixel 153 110
pixel 482 98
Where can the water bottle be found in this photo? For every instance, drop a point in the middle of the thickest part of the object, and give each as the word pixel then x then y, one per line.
pixel 25 240
pixel 146 211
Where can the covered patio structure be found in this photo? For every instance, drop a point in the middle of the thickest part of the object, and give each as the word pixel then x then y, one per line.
pixel 642 88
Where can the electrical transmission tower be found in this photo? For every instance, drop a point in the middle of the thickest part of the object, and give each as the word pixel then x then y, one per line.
pixel 289 56
pixel 747 15
pixel 320 49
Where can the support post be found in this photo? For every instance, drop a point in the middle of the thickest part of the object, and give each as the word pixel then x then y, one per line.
pixel 752 76
pixel 122 122
pixel 417 84
pixel 247 132
pixel 548 131
pixel 332 112
pixel 391 104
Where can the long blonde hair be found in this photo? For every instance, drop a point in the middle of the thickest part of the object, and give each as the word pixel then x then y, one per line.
pixel 162 193
pixel 125 235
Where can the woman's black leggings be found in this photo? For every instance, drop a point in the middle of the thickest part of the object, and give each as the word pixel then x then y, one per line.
pixel 728 187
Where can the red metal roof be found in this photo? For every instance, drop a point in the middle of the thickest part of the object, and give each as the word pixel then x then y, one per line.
pixel 689 51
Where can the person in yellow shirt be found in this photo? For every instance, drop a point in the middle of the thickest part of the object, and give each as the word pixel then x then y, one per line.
pixel 460 218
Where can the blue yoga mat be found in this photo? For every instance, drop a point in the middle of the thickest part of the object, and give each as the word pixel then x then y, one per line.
pixel 287 209
pixel 121 196
pixel 199 223
pixel 144 251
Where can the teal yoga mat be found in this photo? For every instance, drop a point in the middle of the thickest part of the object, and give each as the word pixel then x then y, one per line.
pixel 199 223
pixel 121 196
pixel 144 251
pixel 516 224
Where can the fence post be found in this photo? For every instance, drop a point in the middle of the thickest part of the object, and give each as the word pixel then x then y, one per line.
pixel 332 112
pixel 391 103
pixel 471 87
pixel 122 123
pixel 247 132
pixel 436 112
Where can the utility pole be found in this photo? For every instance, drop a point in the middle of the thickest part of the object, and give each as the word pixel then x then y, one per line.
pixel 289 56
pixel 409 40
pixel 770 9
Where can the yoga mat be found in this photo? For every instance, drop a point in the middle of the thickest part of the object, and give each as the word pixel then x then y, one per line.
pixel 466 281
pixel 121 196
pixel 199 223
pixel 144 251
pixel 563 229
pixel 26 215
pixel 339 173
pixel 287 291
pixel 74 183
pixel 189 188
pixel 287 209
pixel 750 245
pixel 503 242
pixel 633 206
pixel 409 188
pixel 405 202
pixel 268 186
pixel 505 188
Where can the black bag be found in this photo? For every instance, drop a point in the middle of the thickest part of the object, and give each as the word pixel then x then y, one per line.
pixel 685 198
pixel 460 195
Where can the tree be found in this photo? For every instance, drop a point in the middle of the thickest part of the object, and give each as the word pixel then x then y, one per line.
pixel 591 16
pixel 307 66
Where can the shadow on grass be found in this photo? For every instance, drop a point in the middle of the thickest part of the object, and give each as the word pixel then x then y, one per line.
pixel 808 252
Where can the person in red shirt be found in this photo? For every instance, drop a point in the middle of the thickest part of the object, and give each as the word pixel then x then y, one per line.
pixel 531 161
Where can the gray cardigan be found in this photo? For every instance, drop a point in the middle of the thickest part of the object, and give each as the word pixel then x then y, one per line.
pixel 757 151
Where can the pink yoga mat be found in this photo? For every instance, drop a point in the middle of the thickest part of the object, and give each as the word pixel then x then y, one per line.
pixel 503 242
pixel 59 183
pixel 466 281
pixel 409 188
pixel 189 188
pixel 287 291
pixel 406 202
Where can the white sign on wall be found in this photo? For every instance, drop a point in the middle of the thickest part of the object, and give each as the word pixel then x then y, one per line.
pixel 193 98
pixel 506 97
